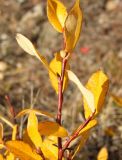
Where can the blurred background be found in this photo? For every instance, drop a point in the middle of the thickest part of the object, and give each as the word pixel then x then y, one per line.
pixel 26 81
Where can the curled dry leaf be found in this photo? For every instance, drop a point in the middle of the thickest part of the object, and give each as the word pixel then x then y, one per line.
pixel 57 14
pixel 103 154
pixel 32 129
pixel 56 67
pixel 52 129
pixel 98 84
pixel 22 150
pixel 85 92
pixel 72 27
pixel 37 112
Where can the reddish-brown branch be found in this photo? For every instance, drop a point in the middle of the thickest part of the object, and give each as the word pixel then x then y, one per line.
pixel 74 136
pixel 60 102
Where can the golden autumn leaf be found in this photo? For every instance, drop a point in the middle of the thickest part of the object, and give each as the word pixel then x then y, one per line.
pixel 32 129
pixel 72 27
pixel 10 156
pixel 52 129
pixel 117 100
pixel 22 150
pixel 89 126
pixel 37 112
pixel 85 92
pixel 28 47
pixel 57 14
pixel 1 157
pixel 81 143
pixel 98 84
pixel 50 149
pixel 56 67
pixel 103 154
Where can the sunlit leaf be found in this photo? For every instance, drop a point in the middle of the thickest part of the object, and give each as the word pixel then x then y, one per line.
pixel 6 121
pixel 85 92
pixel 57 14
pixel 98 84
pixel 72 27
pixel 22 150
pixel 56 66
pixel 52 129
pixel 103 154
pixel 32 129
pixel 28 47
pixel 14 133
pixel 81 143
pixel 50 149
pixel 117 100
pixel 37 112
pixel 10 156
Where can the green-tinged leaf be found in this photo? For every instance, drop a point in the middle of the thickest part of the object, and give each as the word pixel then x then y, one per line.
pixel 72 27
pixel 85 92
pixel 22 150
pixel 37 112
pixel 98 84
pixel 81 143
pixel 117 100
pixel 56 67
pixel 32 129
pixel 50 149
pixel 57 14
pixel 103 154
pixel 52 129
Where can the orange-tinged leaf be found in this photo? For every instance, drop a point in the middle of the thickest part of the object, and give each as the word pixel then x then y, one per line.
pixel 85 92
pixel 81 143
pixel 56 67
pixel 110 131
pixel 89 126
pixel 50 149
pixel 1 157
pixel 117 100
pixel 52 129
pixel 32 129
pixel 37 112
pixel 72 27
pixel 103 154
pixel 57 14
pixel 98 84
pixel 22 150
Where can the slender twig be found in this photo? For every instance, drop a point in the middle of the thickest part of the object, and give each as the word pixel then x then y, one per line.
pixel 60 102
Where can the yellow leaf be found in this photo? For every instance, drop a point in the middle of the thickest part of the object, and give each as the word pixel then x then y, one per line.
pixel 6 121
pixel 50 149
pixel 56 67
pixel 28 47
pixel 81 143
pixel 72 27
pixel 89 126
pixel 57 14
pixel 86 93
pixel 1 132
pixel 103 154
pixel 32 129
pixel 37 112
pixel 10 156
pixel 1 157
pixel 22 150
pixel 14 133
pixel 98 84
pixel 52 129
pixel 117 100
